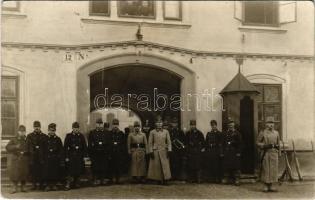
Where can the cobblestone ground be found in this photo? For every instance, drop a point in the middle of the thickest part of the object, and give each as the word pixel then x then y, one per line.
pixel 176 190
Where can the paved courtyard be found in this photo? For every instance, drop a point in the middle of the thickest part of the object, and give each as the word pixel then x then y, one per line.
pixel 176 190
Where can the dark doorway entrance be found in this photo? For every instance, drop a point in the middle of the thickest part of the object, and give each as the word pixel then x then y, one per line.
pixel 247 131
pixel 131 83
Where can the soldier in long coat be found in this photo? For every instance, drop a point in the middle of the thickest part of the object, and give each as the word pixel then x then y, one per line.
pixel 232 142
pixel 118 148
pixel 98 146
pixel 268 141
pixel 160 147
pixel 137 148
pixel 213 153
pixel 195 142
pixel 18 154
pixel 75 151
pixel 36 143
pixel 178 150
pixel 53 158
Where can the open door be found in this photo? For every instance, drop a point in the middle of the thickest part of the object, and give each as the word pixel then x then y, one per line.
pixel 247 131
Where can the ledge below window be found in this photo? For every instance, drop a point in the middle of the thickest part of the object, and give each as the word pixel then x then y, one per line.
pixel 262 29
pixel 13 15
pixel 133 23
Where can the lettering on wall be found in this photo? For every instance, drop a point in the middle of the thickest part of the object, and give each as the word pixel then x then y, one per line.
pixel 75 56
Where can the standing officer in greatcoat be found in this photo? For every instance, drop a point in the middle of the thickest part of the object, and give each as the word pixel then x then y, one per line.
pixel 137 149
pixel 160 148
pixel 54 158
pixel 195 142
pixel 232 154
pixel 213 153
pixel 19 155
pixel 75 151
pixel 269 142
pixel 98 147
pixel 36 143
pixel 146 128
pixel 178 149
pixel 118 148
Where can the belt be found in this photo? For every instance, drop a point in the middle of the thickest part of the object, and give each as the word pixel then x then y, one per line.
pixel 134 145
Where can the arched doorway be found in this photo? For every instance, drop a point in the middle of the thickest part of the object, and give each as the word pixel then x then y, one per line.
pixel 132 74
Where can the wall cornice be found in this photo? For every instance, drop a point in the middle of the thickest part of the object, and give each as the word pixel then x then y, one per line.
pixel 149 46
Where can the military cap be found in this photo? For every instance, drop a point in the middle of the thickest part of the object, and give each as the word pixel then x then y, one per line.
pixel 136 124
pixel 174 120
pixel 106 125
pixel 115 121
pixel 231 121
pixel 213 122
pixel 21 128
pixel 52 126
pixel 36 124
pixel 99 121
pixel 75 125
pixel 158 119
pixel 270 119
pixel 193 122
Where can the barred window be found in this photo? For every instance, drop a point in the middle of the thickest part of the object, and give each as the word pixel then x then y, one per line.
pixel 100 8
pixel 138 8
pixel 261 12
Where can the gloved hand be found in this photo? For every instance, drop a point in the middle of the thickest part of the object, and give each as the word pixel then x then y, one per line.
pixel 151 155
pixel 67 159
pixel 221 155
pixel 267 146
pixel 238 154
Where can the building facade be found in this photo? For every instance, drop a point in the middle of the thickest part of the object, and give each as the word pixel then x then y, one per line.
pixel 57 57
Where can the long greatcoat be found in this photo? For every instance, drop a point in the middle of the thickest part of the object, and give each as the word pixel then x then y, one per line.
pixel 212 154
pixel 178 153
pixel 138 154
pixel 159 145
pixel 270 161
pixel 75 150
pixel 18 156
pixel 195 141
pixel 99 151
pixel 118 148
pixel 232 142
pixel 53 158
pixel 36 143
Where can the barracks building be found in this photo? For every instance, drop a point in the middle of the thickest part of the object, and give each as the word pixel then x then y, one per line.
pixel 66 61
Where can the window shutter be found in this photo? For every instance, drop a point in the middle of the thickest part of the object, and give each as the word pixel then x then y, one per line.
pixel 238 10
pixel 287 12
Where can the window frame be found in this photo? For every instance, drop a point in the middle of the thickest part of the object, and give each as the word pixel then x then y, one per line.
pixel 134 16
pixel 17 104
pixel 277 24
pixel 180 17
pixel 263 103
pixel 99 14
pixel 16 9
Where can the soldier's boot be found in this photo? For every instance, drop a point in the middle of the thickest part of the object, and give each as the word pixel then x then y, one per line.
pixel 199 177
pixel 34 186
pixel 237 181
pixel 23 186
pixel 68 185
pixel 95 182
pixel 77 183
pixel 272 188
pixel 266 188
pixel 15 188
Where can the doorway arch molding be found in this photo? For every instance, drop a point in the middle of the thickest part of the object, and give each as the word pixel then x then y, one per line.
pixel 188 81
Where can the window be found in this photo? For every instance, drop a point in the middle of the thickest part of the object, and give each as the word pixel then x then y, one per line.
pixel 172 10
pixel 100 8
pixel 9 105
pixel 141 9
pixel 269 104
pixel 261 12
pixel 11 5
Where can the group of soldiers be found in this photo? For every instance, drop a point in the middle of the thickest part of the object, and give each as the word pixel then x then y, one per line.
pixel 161 154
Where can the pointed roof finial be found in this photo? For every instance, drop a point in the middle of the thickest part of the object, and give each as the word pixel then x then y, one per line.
pixel 239 60
pixel 138 34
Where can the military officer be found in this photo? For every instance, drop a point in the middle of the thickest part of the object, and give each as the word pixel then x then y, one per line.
pixel 268 141
pixel 54 158
pixel 160 147
pixel 195 142
pixel 98 147
pixel 118 147
pixel 137 148
pixel 178 149
pixel 231 154
pixel 75 151
pixel 213 153
pixel 36 143
pixel 146 128
pixel 18 169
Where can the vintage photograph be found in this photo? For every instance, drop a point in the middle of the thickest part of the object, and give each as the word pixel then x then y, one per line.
pixel 157 99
